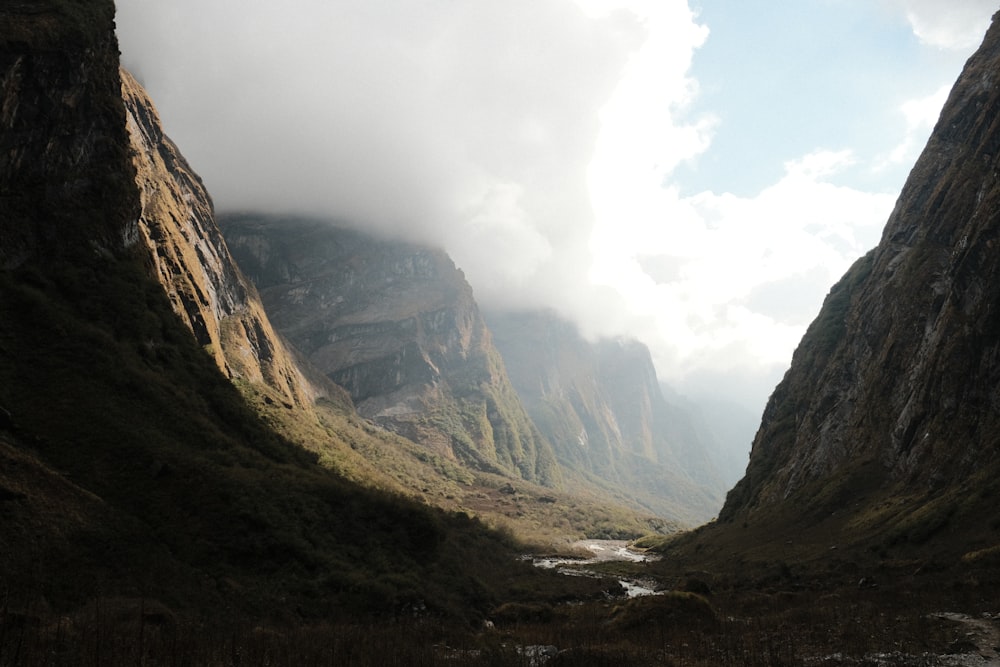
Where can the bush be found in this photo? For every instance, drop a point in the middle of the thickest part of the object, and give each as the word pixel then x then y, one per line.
pixel 677 610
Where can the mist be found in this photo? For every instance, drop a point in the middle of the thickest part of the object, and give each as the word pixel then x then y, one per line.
pixel 540 142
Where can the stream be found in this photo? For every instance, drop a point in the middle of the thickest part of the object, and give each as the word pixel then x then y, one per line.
pixel 603 551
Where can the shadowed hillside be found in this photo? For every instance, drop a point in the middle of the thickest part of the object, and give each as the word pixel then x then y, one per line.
pixel 132 467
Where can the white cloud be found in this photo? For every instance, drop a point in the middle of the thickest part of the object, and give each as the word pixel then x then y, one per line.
pixel 949 25
pixel 725 289
pixel 920 116
pixel 497 245
pixel 398 116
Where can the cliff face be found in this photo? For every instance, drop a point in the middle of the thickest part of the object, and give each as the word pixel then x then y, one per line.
pixel 63 153
pixel 397 326
pixel 177 227
pixel 603 410
pixel 896 385
pixel 66 161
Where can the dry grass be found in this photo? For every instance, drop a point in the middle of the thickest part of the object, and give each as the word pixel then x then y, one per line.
pixel 788 620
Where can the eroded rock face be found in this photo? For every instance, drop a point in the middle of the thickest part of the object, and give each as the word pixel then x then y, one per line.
pixel 177 226
pixel 396 325
pixel 77 136
pixel 901 369
pixel 601 407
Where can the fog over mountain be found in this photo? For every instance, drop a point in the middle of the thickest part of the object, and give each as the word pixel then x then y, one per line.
pixel 579 156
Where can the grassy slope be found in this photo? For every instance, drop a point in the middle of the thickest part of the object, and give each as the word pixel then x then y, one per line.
pixel 536 515
pixel 104 386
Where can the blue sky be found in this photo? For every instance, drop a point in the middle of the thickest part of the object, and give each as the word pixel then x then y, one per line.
pixel 787 78
pixel 696 176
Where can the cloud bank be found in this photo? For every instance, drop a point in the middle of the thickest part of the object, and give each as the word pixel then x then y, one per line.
pixel 537 141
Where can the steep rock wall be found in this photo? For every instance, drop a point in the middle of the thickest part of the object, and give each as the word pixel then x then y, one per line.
pixel 63 147
pixel 601 407
pixel 900 372
pixel 177 226
pixel 396 325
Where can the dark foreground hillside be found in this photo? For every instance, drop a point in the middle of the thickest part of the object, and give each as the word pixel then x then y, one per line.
pixel 132 469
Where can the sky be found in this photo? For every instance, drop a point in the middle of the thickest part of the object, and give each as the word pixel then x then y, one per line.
pixel 693 173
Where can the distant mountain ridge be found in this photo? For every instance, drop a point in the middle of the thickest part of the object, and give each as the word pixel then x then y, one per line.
pixel 397 325
pixel 601 406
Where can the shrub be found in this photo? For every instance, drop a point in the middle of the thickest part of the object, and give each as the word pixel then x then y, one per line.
pixel 678 610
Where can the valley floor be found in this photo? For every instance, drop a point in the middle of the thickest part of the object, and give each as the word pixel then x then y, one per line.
pixel 946 618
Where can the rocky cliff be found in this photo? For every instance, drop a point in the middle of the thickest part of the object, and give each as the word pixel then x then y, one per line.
pixel 397 326
pixel 601 407
pixel 188 255
pixel 893 391
pixel 61 123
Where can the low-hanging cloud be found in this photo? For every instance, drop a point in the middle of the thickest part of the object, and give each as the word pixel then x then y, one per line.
pixel 408 118
pixel 536 140
pixel 466 125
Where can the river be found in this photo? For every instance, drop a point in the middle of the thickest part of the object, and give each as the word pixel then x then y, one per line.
pixel 603 551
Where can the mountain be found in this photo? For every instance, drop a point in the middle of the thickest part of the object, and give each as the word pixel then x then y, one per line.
pixel 159 444
pixel 189 258
pixel 602 408
pixel 887 419
pixel 177 485
pixel 724 426
pixel 397 326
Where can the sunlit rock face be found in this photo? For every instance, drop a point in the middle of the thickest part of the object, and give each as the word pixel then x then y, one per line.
pixel 176 225
pixel 396 325
pixel 601 407
pixel 85 170
pixel 899 376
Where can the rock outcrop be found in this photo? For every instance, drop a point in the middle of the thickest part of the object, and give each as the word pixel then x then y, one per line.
pixel 397 326
pixel 177 227
pixel 601 407
pixel 895 388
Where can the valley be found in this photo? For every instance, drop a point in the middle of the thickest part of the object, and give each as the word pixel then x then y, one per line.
pixel 253 438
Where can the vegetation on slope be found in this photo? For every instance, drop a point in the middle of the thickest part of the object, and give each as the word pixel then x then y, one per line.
pixel 102 384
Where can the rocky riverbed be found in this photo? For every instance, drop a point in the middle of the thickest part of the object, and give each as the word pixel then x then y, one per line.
pixel 601 551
